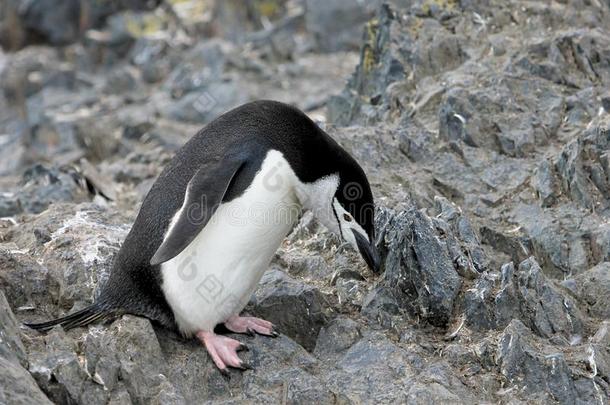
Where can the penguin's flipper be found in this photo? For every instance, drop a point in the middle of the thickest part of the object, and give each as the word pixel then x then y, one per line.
pixel 204 194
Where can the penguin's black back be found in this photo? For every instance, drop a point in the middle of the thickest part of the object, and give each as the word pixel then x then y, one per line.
pixel 134 286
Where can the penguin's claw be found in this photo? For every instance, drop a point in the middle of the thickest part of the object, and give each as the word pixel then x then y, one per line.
pixel 225 373
pixel 250 325
pixel 246 366
pixel 243 347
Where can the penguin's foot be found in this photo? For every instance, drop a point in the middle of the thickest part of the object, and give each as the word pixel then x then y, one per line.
pixel 223 351
pixel 250 325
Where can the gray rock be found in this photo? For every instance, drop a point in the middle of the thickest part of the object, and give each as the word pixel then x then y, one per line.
pixel 235 19
pixel 63 23
pixel 55 366
pixel 380 304
pixel 545 183
pixel 206 103
pixel 23 280
pixel 478 305
pixel 75 244
pixel 304 309
pixel 337 25
pixel 514 244
pixel 593 288
pixel 336 337
pixel 582 167
pixel 527 294
pixel 464 247
pixel 380 65
pixel 204 64
pixel 123 357
pixel 153 57
pixel 541 374
pixel 43 186
pixel 418 266
pixel 18 387
pixel 282 370
pixel 57 23
pixel 11 346
pixel 546 58
pixel 129 352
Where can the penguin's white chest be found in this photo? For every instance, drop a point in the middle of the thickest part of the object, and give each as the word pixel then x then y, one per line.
pixel 214 277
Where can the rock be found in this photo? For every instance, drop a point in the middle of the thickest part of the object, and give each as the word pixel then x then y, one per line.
pixel 306 266
pixel 582 167
pixel 203 65
pixel 57 23
pixel 337 25
pixel 123 357
pixel 23 280
pixel 418 266
pixel 11 347
pixel 379 66
pixel 336 337
pixel 538 373
pixel 592 287
pixel 528 295
pixel 546 58
pixel 75 243
pixel 363 374
pixel 478 305
pixel 121 80
pixel 63 23
pixel 129 352
pixel 464 248
pixel 304 308
pixel 380 304
pixel 153 57
pixel 56 368
pixel 514 244
pixel 281 369
pixel 18 387
pixel 43 186
pixel 204 104
pixel 365 361
pixel 234 19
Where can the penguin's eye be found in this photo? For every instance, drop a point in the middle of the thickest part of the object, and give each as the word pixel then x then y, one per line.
pixel 347 217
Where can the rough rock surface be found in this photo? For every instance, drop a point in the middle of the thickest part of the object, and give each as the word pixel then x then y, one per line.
pixel 484 129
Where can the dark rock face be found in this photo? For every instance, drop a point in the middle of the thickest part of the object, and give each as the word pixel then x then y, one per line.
pixel 528 295
pixel 337 24
pixel 18 386
pixel 593 287
pixel 11 346
pixel 425 259
pixel 298 310
pixel 541 375
pixel 61 23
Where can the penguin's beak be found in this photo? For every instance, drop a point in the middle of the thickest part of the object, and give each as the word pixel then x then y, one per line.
pixel 368 251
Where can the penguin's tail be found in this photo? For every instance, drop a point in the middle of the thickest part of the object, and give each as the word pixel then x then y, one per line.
pixel 92 313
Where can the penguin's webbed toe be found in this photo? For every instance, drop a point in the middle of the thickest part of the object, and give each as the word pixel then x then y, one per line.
pixel 250 325
pixel 223 351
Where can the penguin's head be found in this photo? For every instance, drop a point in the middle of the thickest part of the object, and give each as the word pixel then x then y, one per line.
pixel 354 212
pixel 343 203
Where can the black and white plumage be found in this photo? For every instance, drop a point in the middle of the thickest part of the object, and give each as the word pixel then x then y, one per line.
pixel 212 221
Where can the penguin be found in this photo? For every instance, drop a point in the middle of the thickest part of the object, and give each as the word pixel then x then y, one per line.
pixel 212 221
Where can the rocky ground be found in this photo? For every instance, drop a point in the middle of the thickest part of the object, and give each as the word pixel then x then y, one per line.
pixel 484 127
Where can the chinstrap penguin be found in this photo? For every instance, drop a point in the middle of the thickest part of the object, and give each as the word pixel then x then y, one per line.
pixel 212 221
